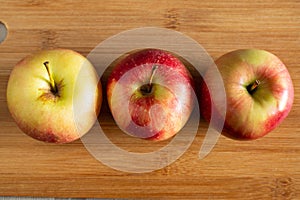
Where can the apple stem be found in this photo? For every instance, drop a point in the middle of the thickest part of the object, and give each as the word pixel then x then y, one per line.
pixel 253 86
pixel 52 83
pixel 154 68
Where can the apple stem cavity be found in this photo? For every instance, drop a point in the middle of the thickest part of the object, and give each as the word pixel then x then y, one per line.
pixel 146 89
pixel 52 83
pixel 253 86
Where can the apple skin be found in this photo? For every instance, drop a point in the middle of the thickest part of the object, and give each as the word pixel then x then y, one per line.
pixel 156 115
pixel 50 117
pixel 250 115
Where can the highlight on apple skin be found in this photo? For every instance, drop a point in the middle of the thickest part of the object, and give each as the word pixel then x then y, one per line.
pixel 259 93
pixel 150 94
pixel 41 92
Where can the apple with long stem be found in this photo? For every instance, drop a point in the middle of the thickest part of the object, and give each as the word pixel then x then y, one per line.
pixel 259 93
pixel 45 90
pixel 150 94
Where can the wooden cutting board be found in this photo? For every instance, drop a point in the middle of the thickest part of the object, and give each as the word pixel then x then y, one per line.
pixel 268 168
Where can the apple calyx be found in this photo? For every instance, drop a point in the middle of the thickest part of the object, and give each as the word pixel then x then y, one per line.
pixel 147 88
pixel 253 86
pixel 53 86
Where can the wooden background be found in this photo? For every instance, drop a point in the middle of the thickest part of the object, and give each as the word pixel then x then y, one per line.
pixel 268 168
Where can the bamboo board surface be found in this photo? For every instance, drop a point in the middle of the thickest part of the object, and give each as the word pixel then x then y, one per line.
pixel 268 168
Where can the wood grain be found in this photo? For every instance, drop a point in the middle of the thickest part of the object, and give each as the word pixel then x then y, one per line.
pixel 263 169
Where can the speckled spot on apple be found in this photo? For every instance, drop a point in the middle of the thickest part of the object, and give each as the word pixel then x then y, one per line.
pixel 46 136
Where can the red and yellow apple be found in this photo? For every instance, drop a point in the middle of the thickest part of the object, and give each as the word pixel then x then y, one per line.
pixel 43 90
pixel 150 94
pixel 259 93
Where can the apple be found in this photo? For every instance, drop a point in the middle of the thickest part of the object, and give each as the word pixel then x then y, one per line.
pixel 43 90
pixel 150 94
pixel 259 93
